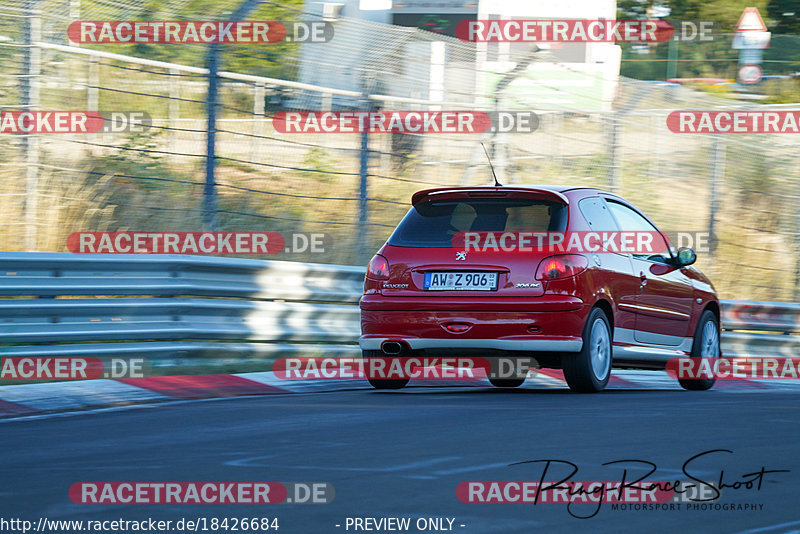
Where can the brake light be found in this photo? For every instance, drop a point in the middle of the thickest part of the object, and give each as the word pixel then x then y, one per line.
pixel 561 266
pixel 378 268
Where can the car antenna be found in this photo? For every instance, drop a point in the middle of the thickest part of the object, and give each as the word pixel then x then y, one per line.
pixel 496 183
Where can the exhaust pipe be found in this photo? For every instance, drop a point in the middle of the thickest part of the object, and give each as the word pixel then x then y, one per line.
pixel 391 348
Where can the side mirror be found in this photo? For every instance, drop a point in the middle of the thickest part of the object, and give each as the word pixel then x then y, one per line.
pixel 686 256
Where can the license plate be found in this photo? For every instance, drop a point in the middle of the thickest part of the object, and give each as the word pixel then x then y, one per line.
pixel 460 281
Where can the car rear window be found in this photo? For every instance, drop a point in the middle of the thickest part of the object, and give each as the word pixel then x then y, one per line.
pixel 433 224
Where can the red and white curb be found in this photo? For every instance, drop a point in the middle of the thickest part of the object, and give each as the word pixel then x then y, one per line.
pixel 31 399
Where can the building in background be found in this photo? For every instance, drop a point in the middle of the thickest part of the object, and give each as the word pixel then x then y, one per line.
pixel 408 48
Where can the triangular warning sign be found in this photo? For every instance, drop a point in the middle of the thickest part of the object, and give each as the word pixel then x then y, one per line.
pixel 751 21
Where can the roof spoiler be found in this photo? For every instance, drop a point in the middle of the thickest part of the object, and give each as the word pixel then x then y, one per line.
pixel 488 192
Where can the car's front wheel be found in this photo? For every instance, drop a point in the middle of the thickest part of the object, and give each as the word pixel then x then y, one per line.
pixel 588 371
pixel 705 345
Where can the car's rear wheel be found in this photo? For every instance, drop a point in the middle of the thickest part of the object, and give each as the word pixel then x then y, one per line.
pixel 705 345
pixel 588 371
pixel 381 383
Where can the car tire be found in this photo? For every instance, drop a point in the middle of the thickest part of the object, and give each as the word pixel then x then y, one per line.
pixel 589 370
pixel 513 381
pixel 507 382
pixel 379 383
pixel 706 345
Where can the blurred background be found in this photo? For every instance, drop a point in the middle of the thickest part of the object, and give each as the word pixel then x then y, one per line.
pixel 602 109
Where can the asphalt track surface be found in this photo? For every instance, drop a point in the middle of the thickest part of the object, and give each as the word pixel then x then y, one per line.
pixel 402 454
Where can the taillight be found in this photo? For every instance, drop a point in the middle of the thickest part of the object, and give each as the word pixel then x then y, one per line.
pixel 561 266
pixel 378 268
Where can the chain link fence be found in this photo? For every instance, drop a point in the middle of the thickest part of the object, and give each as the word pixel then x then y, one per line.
pixel 595 130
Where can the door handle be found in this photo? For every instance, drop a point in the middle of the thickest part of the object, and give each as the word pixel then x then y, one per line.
pixel 643 278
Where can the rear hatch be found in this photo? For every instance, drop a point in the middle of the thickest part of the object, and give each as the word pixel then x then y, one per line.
pixel 450 243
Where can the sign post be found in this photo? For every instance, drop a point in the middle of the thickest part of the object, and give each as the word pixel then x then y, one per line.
pixel 750 39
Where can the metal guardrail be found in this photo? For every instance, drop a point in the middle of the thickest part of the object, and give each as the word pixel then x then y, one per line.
pixel 760 328
pixel 764 316
pixel 176 310
pixel 222 312
pixel 62 274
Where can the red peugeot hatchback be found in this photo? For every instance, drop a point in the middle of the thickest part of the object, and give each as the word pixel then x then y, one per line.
pixel 581 310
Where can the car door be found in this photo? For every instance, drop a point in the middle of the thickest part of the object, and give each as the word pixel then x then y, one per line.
pixel 616 278
pixel 664 299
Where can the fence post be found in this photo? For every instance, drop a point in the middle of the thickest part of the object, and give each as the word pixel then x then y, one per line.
pixel 672 59
pixel 209 192
pixel 363 214
pixel 500 147
pixel 717 173
pixel 92 83
pixel 173 108
pixel 614 163
pixel 30 100
pixel 259 93
pixel 796 290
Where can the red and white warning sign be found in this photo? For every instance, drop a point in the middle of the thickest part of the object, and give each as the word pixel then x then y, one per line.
pixel 751 32
pixel 751 21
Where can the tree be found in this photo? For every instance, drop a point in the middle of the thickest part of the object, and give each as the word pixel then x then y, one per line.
pixel 786 16
pixel 724 12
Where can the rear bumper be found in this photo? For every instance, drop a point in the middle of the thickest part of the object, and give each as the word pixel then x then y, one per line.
pixel 565 344
pixel 546 328
pixel 488 303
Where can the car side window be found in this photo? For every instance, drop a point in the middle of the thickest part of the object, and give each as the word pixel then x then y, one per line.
pixel 596 213
pixel 631 221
